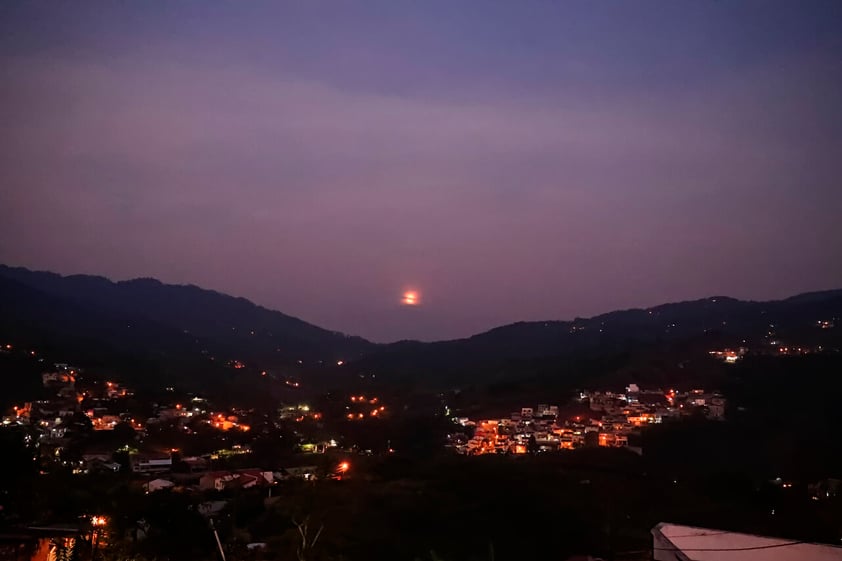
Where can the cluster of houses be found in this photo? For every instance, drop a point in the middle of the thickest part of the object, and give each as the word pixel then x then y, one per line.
pixel 537 429
pixel 73 412
pixel 55 418
pixel 636 407
pixel 610 420
pixel 223 480
pixel 63 429
pixel 52 417
pixel 166 470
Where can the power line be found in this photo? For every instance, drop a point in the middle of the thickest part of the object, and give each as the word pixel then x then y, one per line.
pixel 772 546
pixel 722 549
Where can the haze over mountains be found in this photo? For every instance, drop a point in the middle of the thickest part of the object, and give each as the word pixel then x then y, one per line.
pixel 87 315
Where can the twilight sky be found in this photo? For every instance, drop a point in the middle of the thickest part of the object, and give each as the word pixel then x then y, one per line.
pixel 508 160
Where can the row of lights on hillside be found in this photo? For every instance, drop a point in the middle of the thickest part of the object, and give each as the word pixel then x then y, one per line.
pixel 361 399
pixel 373 413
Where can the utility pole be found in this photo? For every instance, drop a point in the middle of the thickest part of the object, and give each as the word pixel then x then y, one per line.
pixel 218 543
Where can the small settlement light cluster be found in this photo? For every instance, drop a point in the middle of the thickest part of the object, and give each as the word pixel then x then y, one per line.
pixel 362 400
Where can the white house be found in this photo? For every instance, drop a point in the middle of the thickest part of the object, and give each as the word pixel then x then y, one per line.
pixel 158 485
pixel 143 464
pixel 671 542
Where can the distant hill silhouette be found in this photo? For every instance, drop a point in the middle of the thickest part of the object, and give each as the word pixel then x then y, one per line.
pixel 147 315
pixel 719 320
pixel 88 316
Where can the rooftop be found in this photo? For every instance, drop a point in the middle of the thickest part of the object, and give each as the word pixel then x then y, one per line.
pixel 688 543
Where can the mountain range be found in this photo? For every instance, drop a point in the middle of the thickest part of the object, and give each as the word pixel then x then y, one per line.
pixel 89 317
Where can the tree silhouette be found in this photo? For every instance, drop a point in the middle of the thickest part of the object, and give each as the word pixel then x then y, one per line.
pixel 308 537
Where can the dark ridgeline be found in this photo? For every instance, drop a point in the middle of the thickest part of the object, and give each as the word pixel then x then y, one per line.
pixel 195 313
pixel 149 323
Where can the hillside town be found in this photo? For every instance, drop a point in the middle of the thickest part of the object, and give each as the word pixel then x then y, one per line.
pixel 167 444
pixel 611 420
pixel 90 426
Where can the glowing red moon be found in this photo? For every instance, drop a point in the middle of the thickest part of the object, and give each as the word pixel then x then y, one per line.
pixel 411 298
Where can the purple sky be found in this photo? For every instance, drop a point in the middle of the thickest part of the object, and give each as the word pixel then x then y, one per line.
pixel 511 160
